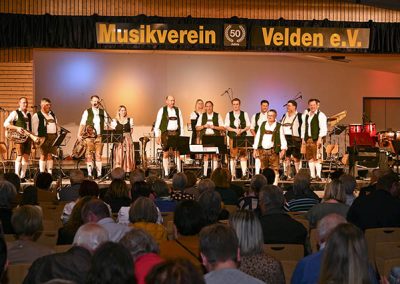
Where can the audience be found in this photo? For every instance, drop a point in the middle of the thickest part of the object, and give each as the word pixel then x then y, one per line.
pixel 349 184
pixel 73 264
pixel 117 174
pixel 303 198
pixel 29 197
pixel 222 179
pixel 211 204
pixel 71 192
pixel 375 175
pixel 111 263
pixel 253 260
pixel 191 187
pixel 205 185
pixel 137 175
pixel 27 223
pixel 14 179
pixel 163 199
pixel 278 227
pixel 43 183
pixel 144 251
pixel 117 195
pixel 250 200
pixel 220 254
pixel 269 174
pixel 7 196
pixel 179 182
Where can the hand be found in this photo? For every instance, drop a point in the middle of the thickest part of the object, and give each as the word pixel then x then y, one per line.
pixel 20 130
pixel 282 154
pixel 303 141
pixel 319 143
pixel 255 154
pixel 80 137
pixel 238 131
pixel 158 140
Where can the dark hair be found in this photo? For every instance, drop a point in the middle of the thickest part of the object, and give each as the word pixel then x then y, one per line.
pixel 218 243
pixel 188 217
pixel 273 110
pixel 313 100
pixel 96 207
pixel 301 184
pixel 349 183
pixel 210 202
pixel 209 102
pixel 264 102
pixel 191 179
pixel 140 188
pixel 89 188
pixel 43 180
pixel 136 175
pixel 94 96
pixel 75 219
pixel 179 181
pixel 117 189
pixel 111 263
pixel 47 100
pixel 3 256
pixel 293 102
pixel 269 174
pixel 235 100
pixel 7 193
pixel 14 179
pixel 160 188
pixel 257 182
pixel 29 196
pixel 175 271
pixel 271 196
pixel 221 177
pixel 386 181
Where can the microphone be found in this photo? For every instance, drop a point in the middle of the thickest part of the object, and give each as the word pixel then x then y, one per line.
pixel 226 92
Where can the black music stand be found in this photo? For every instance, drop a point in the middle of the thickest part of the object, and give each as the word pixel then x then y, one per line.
pixel 245 142
pixel 58 143
pixel 107 137
pixel 215 141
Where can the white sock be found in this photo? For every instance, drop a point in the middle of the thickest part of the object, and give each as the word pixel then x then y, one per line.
pixel 99 166
pixel 233 167
pixel 89 166
pixel 23 168
pixel 276 178
pixel 17 168
pixel 297 166
pixel 215 164
pixel 178 165
pixel 258 166
pixel 42 166
pixel 312 169
pixel 205 168
pixel 243 165
pixel 318 167
pixel 165 162
pixel 49 166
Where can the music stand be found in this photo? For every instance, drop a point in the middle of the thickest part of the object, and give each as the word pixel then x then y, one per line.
pixel 215 141
pixel 243 142
pixel 57 143
pixel 107 137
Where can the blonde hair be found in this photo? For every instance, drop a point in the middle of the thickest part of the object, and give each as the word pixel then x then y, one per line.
pixel 335 190
pixel 198 101
pixel 118 117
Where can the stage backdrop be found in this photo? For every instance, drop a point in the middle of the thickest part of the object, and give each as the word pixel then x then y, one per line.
pixel 141 80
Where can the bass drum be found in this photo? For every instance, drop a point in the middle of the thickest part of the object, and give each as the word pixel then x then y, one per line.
pixel 79 150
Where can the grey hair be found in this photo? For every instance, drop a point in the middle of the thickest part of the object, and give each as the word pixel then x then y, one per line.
pixel 179 181
pixel 257 182
pixel 271 196
pixel 349 183
pixel 7 193
pixel 205 184
pixel 139 242
pixel 90 236
pixel 76 176
pixel 326 225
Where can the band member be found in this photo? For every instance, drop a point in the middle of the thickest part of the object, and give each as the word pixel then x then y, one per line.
pixel 44 124
pixel 270 143
pixel 194 118
pixel 21 120
pixel 237 123
pixel 313 130
pixel 169 123
pixel 123 152
pixel 291 124
pixel 94 117
pixel 210 123
pixel 256 121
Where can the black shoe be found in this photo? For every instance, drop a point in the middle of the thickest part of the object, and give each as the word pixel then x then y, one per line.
pixel 283 177
pixel 203 177
pixel 23 180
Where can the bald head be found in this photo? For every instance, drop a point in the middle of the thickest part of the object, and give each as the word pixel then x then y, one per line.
pixel 326 225
pixel 90 236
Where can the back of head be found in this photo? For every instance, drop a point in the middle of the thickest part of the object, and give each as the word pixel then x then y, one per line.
pixel 249 232
pixel 349 183
pixel 160 188
pixel 94 207
pixel 221 177
pixel 90 236
pixel 140 189
pixel 191 179
pixel 27 221
pixel 111 263
pixel 205 184
pixel 136 175
pixel 29 196
pixel 387 181
pixel 210 202
pixel 43 181
pixel 269 174
pixel 179 181
pixel 14 179
pixel 218 243
pixel 188 218
pixel 301 183
pixel 271 197
pixel 89 188
pixel 139 242
pixel 76 176
pixel 143 210
pixel 257 182
pixel 7 193
pixel 335 190
pixel 326 225
pixel 3 257
pixel 117 173
pixel 345 257
pixel 118 189
pixel 176 271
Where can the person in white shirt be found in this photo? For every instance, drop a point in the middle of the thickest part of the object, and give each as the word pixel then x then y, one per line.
pixel 237 123
pixel 270 143
pixel 194 118
pixel 256 121
pixel 169 122
pixel 210 123
pixel 20 120
pixel 313 130
pixel 94 118
pixel 44 125
pixel 291 124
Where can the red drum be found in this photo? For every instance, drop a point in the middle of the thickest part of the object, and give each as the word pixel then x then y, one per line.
pixel 370 128
pixel 355 128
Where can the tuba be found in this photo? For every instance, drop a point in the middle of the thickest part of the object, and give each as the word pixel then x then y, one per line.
pixel 144 140
pixel 79 149
pixel 19 138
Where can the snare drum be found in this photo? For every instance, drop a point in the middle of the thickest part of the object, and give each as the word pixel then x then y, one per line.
pixel 370 128
pixel 355 128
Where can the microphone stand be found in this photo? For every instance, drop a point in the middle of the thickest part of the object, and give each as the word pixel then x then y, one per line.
pixel 108 125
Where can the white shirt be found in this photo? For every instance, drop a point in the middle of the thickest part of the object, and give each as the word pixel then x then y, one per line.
pixel 237 119
pixel 292 129
pixel 210 131
pixel 267 142
pixel 96 119
pixel 172 124
pixel 323 124
pixel 261 119
pixel 14 117
pixel 50 122
pixel 114 123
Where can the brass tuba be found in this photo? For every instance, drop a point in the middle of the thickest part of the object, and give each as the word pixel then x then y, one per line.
pixel 143 143
pixel 19 138
pixel 79 149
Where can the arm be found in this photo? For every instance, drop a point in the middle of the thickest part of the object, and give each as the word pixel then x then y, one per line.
pixel 227 124
pixel 253 125
pixel 303 128
pixel 283 143
pixel 198 124
pixel 35 124
pixel 157 131
pixel 221 124
pixel 181 121
pixel 82 125
pixel 11 118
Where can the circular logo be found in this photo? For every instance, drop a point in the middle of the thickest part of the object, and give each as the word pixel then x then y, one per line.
pixel 235 35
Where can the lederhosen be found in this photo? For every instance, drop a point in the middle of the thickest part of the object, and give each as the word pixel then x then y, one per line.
pixel 293 142
pixel 270 157
pixel 47 146
pixel 164 125
pixel 234 151
pixel 25 123
pixel 311 141
pixel 94 144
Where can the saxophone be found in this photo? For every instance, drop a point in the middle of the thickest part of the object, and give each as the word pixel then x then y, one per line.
pixel 143 143
pixel 20 137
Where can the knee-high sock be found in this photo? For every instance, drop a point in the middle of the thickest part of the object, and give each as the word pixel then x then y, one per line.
pixel 23 168
pixel 165 162
pixel 215 164
pixel 258 166
pixel 17 168
pixel 178 165
pixel 205 168
pixel 42 166
pixel 276 178
pixel 233 167
pixel 89 166
pixel 286 168
pixel 50 166
pixel 243 165
pixel 99 166
pixel 318 168
pixel 312 169
pixel 297 166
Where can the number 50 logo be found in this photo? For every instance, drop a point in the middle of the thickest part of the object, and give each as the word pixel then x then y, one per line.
pixel 234 35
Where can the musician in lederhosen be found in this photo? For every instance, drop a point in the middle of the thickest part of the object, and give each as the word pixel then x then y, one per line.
pixel 210 123
pixel 123 152
pixel 20 120
pixel 96 118
pixel 169 122
pixel 44 125
pixel 270 143
pixel 256 121
pixel 291 124
pixel 237 123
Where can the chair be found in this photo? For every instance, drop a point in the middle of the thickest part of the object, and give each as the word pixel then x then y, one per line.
pixel 17 272
pixel 303 221
pixel 380 235
pixel 387 255
pixel 48 238
pixel 167 216
pixel 288 269
pixel 313 240
pixel 285 251
pixel 49 225
pixel 9 238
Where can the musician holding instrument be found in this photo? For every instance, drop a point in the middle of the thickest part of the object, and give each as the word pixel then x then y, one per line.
pixel 169 123
pixel 210 123
pixel 44 125
pixel 123 152
pixel 313 130
pixel 256 121
pixel 237 123
pixel 194 118
pixel 20 121
pixel 291 124
pixel 97 119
